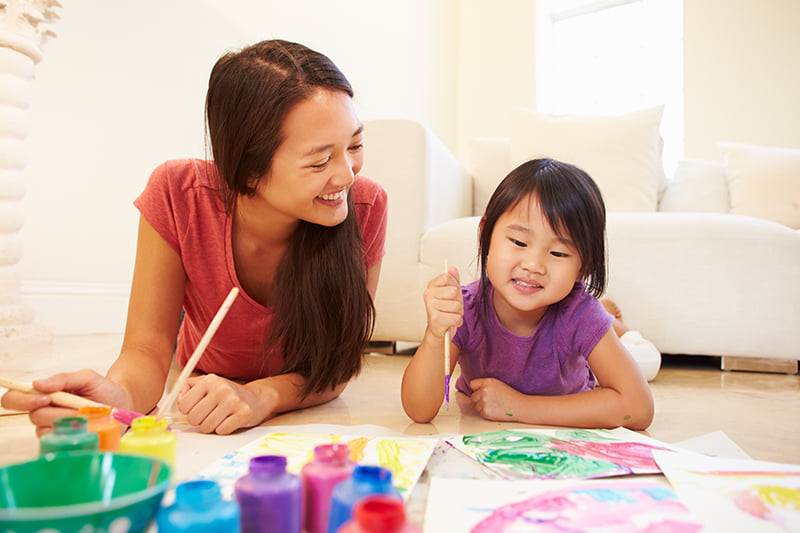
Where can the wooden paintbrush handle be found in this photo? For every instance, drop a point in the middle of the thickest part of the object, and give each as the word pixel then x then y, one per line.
pixel 64 399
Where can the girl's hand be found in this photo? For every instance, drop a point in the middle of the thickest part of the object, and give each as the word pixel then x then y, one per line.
pixel 86 383
pixel 218 405
pixel 444 304
pixel 493 399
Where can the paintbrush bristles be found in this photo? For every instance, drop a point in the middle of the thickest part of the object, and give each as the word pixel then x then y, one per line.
pixel 198 352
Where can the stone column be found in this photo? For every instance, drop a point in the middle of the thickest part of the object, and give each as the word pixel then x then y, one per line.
pixel 24 25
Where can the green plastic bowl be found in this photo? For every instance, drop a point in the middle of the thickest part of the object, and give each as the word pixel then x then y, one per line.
pixel 82 492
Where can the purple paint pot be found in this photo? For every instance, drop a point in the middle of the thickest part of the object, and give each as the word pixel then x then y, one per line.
pixel 330 466
pixel 269 497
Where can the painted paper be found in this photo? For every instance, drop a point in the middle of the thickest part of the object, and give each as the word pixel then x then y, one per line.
pixel 562 453
pixel 406 457
pixel 736 495
pixel 497 506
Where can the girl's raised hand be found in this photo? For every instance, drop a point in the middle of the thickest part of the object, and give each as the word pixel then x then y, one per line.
pixel 444 304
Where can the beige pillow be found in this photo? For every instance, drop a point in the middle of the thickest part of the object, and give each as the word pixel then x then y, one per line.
pixel 622 153
pixel 698 186
pixel 763 181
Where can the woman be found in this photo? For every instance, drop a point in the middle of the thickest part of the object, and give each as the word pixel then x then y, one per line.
pixel 280 213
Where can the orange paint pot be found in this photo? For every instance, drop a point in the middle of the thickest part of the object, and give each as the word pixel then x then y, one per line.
pixel 102 422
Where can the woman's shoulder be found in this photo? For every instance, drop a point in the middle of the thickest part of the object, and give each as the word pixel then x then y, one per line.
pixel 368 191
pixel 183 173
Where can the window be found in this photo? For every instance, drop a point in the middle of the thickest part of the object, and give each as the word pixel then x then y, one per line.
pixel 613 56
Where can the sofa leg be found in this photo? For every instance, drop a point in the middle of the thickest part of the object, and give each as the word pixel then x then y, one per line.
pixel 382 347
pixel 760 364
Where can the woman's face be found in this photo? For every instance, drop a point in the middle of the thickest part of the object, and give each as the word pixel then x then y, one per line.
pixel 315 165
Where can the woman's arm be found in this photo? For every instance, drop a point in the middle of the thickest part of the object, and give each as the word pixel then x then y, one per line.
pixel 136 379
pixel 154 310
pixel 622 398
pixel 373 276
pixel 422 390
pixel 219 405
pixel 222 406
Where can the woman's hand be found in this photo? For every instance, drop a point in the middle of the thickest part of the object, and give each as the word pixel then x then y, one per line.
pixel 219 405
pixel 85 383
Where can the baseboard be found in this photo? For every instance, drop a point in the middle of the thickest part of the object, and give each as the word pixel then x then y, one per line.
pixel 77 308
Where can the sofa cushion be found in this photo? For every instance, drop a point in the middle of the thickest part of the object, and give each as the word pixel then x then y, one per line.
pixel 764 181
pixel 623 153
pixel 697 186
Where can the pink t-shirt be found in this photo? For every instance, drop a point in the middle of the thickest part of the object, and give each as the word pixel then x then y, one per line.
pixel 181 204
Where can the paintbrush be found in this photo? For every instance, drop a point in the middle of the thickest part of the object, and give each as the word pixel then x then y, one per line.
pixel 73 401
pixel 198 352
pixel 446 361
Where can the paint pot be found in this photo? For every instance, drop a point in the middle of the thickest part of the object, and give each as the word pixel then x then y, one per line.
pixel 199 508
pixel 270 498
pixel 331 465
pixel 102 422
pixel 70 433
pixel 149 436
pixel 364 481
pixel 378 514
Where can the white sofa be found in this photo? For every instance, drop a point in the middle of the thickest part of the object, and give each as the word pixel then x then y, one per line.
pixel 695 283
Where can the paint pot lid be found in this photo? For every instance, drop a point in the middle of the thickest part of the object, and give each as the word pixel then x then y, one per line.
pixel 380 514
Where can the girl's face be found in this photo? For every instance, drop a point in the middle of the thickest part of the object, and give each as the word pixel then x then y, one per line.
pixel 315 165
pixel 529 266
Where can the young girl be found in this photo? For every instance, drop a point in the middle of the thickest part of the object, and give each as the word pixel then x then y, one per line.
pixel 533 342
pixel 279 213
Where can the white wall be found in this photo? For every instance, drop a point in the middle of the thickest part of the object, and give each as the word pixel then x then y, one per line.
pixel 741 74
pixel 122 88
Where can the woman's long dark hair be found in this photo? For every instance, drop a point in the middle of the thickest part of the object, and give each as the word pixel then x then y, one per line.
pixel 324 314
pixel 571 203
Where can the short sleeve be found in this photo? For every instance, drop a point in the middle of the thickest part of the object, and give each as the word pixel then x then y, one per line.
pixel 371 203
pixel 156 205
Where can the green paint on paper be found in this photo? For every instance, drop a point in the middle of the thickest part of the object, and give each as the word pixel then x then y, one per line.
pixel 531 453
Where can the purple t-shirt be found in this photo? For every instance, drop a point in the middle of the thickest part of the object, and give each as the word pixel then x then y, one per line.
pixel 551 362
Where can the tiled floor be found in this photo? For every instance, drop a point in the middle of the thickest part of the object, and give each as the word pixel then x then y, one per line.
pixel 760 412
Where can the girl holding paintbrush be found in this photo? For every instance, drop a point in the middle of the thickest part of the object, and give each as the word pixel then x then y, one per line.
pixel 533 342
pixel 281 214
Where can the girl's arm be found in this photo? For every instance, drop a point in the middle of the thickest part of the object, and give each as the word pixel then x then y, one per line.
pixel 622 397
pixel 422 390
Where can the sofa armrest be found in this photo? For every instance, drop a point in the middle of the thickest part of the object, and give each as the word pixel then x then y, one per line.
pixel 426 186
pixel 707 283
